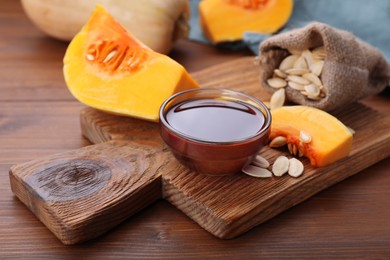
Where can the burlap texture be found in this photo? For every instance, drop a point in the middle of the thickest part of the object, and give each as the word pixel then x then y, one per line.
pixel 352 68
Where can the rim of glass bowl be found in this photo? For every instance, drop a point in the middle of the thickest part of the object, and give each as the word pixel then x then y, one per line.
pixel 223 92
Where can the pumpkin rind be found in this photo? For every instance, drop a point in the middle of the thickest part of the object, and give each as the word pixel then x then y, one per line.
pixel 163 22
pixel 227 20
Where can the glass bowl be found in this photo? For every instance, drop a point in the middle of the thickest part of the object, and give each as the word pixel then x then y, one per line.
pixel 214 131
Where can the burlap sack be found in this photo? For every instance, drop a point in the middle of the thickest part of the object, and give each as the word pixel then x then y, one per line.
pixel 352 68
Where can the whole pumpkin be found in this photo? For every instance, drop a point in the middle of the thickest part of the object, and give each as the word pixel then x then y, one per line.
pixel 157 24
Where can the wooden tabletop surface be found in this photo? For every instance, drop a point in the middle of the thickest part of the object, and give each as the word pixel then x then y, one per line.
pixel 39 117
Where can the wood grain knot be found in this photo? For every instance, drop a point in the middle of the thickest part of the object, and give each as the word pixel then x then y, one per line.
pixel 70 180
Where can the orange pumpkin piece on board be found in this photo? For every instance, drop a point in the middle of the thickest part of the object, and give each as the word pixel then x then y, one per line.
pixel 315 134
pixel 227 20
pixel 107 68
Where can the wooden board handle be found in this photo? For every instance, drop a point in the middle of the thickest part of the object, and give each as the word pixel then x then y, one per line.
pixel 81 194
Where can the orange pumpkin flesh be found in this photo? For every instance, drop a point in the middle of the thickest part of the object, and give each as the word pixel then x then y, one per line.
pixel 330 139
pixel 227 20
pixel 107 68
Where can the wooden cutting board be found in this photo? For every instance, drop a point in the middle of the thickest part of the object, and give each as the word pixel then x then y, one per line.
pixel 81 194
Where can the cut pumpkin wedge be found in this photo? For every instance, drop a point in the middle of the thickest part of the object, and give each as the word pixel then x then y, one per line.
pixel 316 134
pixel 107 68
pixel 227 20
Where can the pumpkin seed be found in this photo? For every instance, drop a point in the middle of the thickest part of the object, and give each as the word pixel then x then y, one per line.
pixel 304 137
pixel 90 57
pixel 280 166
pixel 308 56
pixel 296 86
pixel 260 161
pixel 300 152
pixel 290 148
pixel 298 79
pixel 294 52
pixel 351 130
pixel 297 71
pixel 316 98
pixel 319 53
pixel 278 141
pixel 277 82
pixel 312 90
pixel 295 168
pixel 316 67
pixel 255 171
pixel 280 73
pixel 317 57
pixel 288 62
pixel 294 149
pixel 300 63
pixel 109 56
pixel 300 148
pixel 313 78
pixel 277 99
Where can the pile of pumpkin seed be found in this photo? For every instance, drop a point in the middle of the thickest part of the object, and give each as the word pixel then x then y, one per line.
pixel 259 165
pixel 301 71
pixel 282 165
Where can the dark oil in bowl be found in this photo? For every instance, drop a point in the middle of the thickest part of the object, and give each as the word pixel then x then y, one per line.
pixel 214 120
pixel 214 131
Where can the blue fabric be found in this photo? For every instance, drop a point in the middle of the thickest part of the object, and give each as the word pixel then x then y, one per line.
pixel 368 20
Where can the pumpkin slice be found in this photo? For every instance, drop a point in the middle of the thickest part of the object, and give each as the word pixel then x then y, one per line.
pixel 107 68
pixel 315 134
pixel 227 20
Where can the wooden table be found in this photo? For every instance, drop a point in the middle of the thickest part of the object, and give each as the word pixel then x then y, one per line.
pixel 39 117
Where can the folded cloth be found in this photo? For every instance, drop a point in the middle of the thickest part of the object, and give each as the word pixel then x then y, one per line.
pixel 369 21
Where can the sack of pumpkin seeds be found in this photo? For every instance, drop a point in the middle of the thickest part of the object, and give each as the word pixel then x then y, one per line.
pixel 322 66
